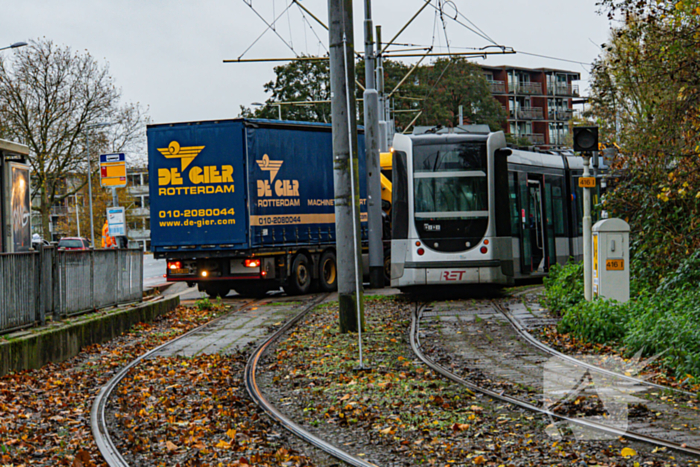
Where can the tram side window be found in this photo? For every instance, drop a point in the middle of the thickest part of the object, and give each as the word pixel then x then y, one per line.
pixel 555 192
pixel 513 195
pixel 399 209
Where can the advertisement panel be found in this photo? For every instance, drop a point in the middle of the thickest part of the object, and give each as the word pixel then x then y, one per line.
pixel 197 184
pixel 2 206
pixel 291 188
pixel 20 207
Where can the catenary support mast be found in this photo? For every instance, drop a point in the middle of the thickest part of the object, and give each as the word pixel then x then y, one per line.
pixel 374 187
pixel 345 165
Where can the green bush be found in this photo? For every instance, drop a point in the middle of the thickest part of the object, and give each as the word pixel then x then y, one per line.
pixel 204 304
pixel 685 277
pixel 563 287
pixel 599 321
pixel 668 324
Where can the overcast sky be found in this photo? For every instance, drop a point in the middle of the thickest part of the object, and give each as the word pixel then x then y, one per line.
pixel 168 54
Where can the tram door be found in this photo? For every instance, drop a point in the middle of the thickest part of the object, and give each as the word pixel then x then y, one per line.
pixel 534 228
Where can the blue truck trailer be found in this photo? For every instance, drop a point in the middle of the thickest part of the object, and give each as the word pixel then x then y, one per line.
pixel 246 204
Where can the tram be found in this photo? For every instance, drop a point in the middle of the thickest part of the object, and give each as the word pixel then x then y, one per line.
pixel 468 210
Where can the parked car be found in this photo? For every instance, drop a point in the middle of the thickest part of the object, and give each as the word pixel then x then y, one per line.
pixel 74 243
pixel 38 242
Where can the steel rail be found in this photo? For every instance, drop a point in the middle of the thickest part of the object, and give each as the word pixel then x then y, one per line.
pixel 254 391
pixel 545 348
pixel 415 345
pixel 98 423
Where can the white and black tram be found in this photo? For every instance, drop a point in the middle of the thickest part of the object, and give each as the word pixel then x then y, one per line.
pixel 467 209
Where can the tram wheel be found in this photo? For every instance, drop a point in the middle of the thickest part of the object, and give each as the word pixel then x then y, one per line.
pixel 300 280
pixel 327 272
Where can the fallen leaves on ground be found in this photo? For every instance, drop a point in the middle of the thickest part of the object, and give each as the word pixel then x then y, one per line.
pixel 45 413
pixel 398 412
pixel 195 412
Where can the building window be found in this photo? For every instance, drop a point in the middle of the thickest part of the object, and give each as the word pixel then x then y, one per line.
pixel 147 223
pixel 146 202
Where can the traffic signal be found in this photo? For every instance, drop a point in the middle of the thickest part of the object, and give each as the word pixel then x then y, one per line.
pixel 585 138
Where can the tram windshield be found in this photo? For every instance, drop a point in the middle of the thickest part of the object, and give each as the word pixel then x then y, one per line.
pixel 450 180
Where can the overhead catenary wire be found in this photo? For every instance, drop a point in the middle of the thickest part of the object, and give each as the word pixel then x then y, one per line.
pixel 269 27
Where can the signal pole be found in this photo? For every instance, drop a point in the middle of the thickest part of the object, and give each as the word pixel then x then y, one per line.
pixel 374 187
pixel 345 167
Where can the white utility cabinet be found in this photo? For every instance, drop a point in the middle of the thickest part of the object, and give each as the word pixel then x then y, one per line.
pixel 611 259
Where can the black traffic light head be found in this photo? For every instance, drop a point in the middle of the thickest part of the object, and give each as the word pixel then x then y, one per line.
pixel 585 138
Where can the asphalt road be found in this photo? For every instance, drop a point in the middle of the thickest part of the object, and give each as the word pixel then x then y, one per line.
pixel 153 270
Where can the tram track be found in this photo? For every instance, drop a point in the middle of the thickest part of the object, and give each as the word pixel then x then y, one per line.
pixel 98 418
pixel 499 377
pixel 255 393
pixel 108 446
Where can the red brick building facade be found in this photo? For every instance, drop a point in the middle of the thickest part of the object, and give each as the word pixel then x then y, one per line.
pixel 538 101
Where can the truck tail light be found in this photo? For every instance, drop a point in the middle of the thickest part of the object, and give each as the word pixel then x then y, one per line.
pixel 252 263
pixel 174 265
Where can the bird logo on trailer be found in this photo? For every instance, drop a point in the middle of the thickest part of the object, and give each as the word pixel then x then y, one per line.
pixel 266 165
pixel 186 154
pixel 282 188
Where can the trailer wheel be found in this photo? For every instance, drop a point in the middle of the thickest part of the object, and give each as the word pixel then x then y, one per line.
pixel 252 290
pixel 387 267
pixel 214 290
pixel 327 272
pixel 300 279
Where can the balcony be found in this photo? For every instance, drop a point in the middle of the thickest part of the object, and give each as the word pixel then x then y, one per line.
pixel 534 138
pixel 528 88
pixel 59 210
pixel 530 113
pixel 563 89
pixel 497 87
pixel 137 189
pixel 564 115
pixel 139 211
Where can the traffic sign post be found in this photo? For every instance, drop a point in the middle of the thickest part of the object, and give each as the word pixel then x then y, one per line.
pixel 113 170
pixel 116 220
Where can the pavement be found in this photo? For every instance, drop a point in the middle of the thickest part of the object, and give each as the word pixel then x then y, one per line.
pixel 238 329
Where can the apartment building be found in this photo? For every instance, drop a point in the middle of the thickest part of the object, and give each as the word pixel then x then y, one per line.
pixel 139 209
pixel 538 102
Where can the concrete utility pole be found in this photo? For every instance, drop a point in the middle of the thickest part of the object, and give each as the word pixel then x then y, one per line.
pixel 587 246
pixel 345 166
pixel 383 135
pixel 374 186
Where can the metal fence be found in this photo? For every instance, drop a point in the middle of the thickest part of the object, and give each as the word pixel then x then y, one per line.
pixel 58 283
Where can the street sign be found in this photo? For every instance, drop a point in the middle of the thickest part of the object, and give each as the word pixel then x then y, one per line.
pixel 615 265
pixel 113 170
pixel 586 182
pixel 116 220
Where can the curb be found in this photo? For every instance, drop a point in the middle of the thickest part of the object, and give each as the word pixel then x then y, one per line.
pixel 60 341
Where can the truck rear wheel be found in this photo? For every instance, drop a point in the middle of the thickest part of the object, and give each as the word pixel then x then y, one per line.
pixel 327 272
pixel 300 279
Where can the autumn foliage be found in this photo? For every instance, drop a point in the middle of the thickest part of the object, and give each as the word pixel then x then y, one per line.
pixel 646 99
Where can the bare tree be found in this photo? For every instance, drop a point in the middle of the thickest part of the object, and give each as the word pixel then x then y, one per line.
pixel 50 96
